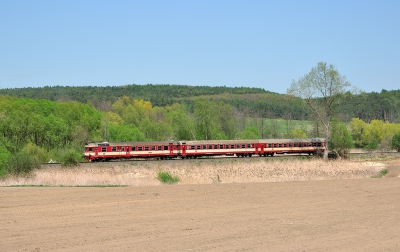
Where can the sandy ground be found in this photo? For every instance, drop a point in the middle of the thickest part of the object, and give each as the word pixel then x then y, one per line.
pixel 330 215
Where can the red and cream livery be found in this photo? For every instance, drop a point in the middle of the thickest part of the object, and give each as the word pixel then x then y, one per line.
pixel 104 151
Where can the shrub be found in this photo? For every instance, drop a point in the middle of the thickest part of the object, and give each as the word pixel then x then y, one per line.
pixel 21 164
pixel 396 142
pixel 4 157
pixel 70 158
pixel 382 173
pixel 39 154
pixel 340 140
pixel 371 146
pixel 167 178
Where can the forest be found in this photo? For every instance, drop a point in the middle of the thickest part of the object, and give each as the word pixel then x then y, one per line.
pixel 53 123
pixel 256 102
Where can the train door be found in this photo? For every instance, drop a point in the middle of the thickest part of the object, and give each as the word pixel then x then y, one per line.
pixel 183 148
pixel 96 151
pixel 261 148
pixel 171 149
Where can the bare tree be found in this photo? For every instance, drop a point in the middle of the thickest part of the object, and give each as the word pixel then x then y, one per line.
pixel 323 88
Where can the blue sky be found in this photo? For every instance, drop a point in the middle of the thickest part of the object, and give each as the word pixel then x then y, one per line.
pixel 248 43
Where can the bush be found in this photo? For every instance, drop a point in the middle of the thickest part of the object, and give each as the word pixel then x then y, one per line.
pixel 70 158
pixel 21 164
pixel 396 142
pixel 382 173
pixel 340 141
pixel 39 154
pixel 4 157
pixel 371 146
pixel 167 178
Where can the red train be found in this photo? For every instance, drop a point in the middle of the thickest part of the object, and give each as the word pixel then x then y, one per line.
pixel 104 151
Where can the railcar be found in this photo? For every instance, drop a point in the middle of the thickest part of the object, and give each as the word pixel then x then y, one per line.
pixel 105 151
pixel 269 147
pixel 195 149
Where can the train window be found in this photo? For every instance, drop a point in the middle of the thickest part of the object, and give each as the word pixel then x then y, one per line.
pixel 210 147
pixel 269 145
pixel 198 147
pixel 232 146
pixel 221 146
pixel 274 145
pixel 215 146
pixel 165 147
pixel 204 147
pixel 146 148
pixel 319 144
pixel 114 149
pixel 103 149
pixel 133 148
pixel 140 148
pixel 192 147
pixel 153 147
pixel 284 145
pixel 243 146
pixel 280 145
pixel 249 146
pixel 90 149
pixel 159 147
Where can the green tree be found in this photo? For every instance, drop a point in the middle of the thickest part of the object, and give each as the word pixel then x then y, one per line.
pixel 340 140
pixel 396 142
pixel 297 133
pixel 207 123
pixel 227 120
pixel 125 133
pixel 357 130
pixel 182 123
pixel 322 89
pixel 250 133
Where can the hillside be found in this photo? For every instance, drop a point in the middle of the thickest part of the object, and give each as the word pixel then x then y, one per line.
pixel 255 102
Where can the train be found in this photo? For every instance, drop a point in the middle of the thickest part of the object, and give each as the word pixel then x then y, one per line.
pixel 106 151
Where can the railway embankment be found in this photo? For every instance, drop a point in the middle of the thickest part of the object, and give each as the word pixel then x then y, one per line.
pixel 207 171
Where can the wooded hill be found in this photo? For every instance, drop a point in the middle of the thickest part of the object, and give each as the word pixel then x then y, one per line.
pixel 255 102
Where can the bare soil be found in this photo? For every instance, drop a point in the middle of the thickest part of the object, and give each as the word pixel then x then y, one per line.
pixel 326 215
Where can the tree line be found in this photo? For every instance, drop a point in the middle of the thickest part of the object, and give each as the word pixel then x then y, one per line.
pixel 255 102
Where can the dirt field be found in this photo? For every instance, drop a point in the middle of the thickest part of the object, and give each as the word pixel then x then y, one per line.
pixel 328 215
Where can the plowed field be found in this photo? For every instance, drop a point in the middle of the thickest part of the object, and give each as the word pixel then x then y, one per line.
pixel 327 215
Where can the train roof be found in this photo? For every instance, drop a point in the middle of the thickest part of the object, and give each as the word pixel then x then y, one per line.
pixel 205 142
pixel 292 140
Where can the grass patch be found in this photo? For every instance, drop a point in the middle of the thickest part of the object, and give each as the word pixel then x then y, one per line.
pixel 167 178
pixel 382 173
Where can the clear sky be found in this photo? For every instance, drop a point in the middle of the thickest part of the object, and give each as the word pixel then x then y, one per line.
pixel 247 43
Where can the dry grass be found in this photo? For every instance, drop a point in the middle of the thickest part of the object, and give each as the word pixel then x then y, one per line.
pixel 142 173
